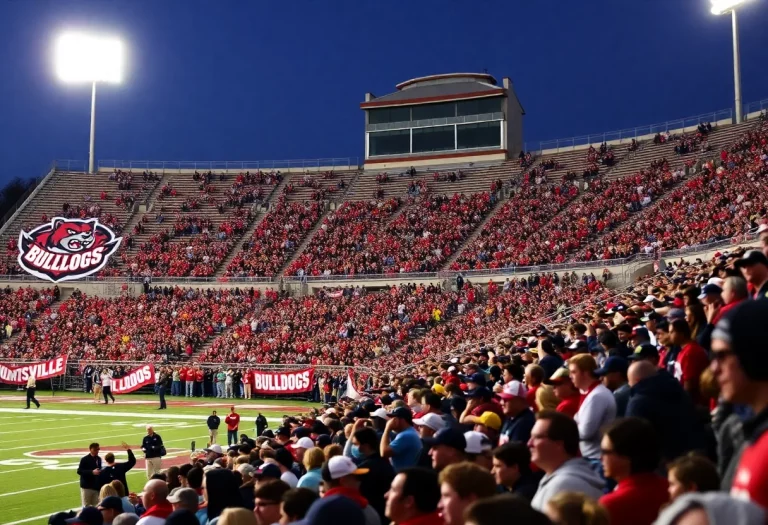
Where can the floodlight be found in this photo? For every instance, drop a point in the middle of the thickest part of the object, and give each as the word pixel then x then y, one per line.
pixel 81 57
pixel 720 7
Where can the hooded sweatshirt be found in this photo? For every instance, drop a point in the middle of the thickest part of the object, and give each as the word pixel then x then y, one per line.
pixel 575 475
pixel 720 508
pixel 371 516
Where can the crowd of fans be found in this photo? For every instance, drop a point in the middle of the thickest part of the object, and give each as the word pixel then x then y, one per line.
pixel 19 307
pixel 275 239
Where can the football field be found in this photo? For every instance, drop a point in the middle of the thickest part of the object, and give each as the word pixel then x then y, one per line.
pixel 41 448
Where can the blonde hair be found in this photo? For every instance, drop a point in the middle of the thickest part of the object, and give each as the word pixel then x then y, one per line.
pixel 332 451
pixel 584 362
pixel 106 491
pixel 237 517
pixel 546 398
pixel 574 508
pixel 313 458
pixel 119 487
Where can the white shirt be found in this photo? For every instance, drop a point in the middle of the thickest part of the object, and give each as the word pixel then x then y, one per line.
pixel 597 410
pixel 290 478
pixel 106 380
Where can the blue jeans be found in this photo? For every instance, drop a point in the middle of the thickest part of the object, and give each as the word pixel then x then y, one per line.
pixel 176 388
pixel 190 388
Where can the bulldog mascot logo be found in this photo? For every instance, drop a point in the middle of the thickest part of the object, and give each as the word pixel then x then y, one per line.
pixel 66 249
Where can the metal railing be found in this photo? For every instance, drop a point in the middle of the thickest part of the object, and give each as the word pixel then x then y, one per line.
pixel 160 279
pixel 78 364
pixel 34 184
pixel 166 165
pixel 546 267
pixel 754 107
pixel 360 277
pixel 631 133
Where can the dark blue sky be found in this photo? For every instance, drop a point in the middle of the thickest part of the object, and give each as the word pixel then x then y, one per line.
pixel 258 80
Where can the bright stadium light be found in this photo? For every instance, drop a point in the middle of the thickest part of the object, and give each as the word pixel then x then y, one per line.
pixel 721 7
pixel 83 58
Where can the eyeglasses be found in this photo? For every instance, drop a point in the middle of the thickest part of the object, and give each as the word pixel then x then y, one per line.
pixel 721 355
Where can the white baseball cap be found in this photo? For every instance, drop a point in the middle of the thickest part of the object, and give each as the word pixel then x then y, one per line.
pixel 214 448
pixel 513 389
pixel 432 421
pixel 305 442
pixel 762 228
pixel 380 412
pixel 477 442
pixel 340 466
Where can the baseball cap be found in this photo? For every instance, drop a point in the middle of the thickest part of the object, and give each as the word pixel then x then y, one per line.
pixel 752 257
pixel 490 420
pixel 268 470
pixel 361 413
pixel 614 363
pixel 745 330
pixel 481 392
pixel 89 516
pixel 652 316
pixel 560 376
pixel 283 431
pixel 402 412
pixel 676 313
pixel 513 389
pixel 246 469
pixel 300 432
pixel 650 298
pixel 578 345
pixel 451 368
pixel 332 511
pixel 432 421
pixel 340 466
pixel 450 437
pixel 477 378
pixel 438 389
pixel 268 433
pixel 708 289
pixel 380 413
pixel 644 351
pixel 477 442
pixel 214 448
pixel 305 442
pixel 115 503
pixel 323 440
pixel 186 495
pixel 640 331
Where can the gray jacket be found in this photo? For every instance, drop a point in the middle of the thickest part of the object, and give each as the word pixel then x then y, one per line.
pixel 575 475
pixel 720 508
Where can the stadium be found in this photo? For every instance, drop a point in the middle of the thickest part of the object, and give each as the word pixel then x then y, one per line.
pixel 456 284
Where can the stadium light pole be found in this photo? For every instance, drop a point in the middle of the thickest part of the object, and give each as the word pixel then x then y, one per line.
pixel 721 7
pixel 86 58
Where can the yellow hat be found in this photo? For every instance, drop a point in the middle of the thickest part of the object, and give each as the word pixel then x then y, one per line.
pixel 490 420
pixel 438 389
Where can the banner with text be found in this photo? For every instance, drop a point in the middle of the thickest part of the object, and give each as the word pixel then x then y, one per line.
pixel 283 382
pixel 18 375
pixel 133 380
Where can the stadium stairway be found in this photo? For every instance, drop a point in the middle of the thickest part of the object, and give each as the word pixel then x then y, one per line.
pixel 304 193
pixel 208 343
pixel 305 241
pixel 259 214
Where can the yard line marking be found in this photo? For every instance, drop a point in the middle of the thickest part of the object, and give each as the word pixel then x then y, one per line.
pixel 147 415
pixel 27 430
pixel 35 518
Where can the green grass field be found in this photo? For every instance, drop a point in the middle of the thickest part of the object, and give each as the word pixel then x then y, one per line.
pixel 41 448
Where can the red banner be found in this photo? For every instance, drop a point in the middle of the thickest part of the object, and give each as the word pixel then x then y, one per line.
pixel 284 382
pixel 18 375
pixel 133 380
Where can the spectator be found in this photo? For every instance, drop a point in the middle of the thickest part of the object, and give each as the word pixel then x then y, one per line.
pixel 519 416
pixel 413 497
pixel 184 498
pixel 711 508
pixel 691 474
pixel 380 471
pixel 741 368
pixel 754 268
pixel 597 409
pixel 313 462
pixel 89 470
pixel 630 456
pixel 447 448
pixel 155 500
pixel 403 451
pixel 220 491
pixel 691 361
pixel 268 498
pixel 462 484
pixel 548 358
pixel 295 505
pixel 512 469
pixel 555 450
pixel 567 394
pixel 117 471
pixel 575 508
pixel 237 517
pixel 334 510
pixel 342 478
pixel 110 508
pixel 614 377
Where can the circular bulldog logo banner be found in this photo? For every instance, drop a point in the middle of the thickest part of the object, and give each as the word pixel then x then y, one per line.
pixel 66 249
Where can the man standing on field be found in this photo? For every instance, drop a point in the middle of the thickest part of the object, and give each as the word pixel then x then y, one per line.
pixel 31 385
pixel 233 423
pixel 152 445
pixel 213 427
pixel 89 470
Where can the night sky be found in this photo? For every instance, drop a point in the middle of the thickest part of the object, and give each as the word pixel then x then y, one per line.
pixel 260 80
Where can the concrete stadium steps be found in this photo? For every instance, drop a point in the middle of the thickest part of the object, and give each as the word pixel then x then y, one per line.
pixel 478 179
pixel 304 193
pixel 576 161
pixel 304 242
pixel 208 343
pixel 238 243
pixel 475 233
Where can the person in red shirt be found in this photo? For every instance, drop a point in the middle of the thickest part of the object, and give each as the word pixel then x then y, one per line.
pixel 199 376
pixel 534 376
pixel 691 361
pixel 189 382
pixel 566 393
pixel 233 423
pixel 740 364
pixel 630 454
